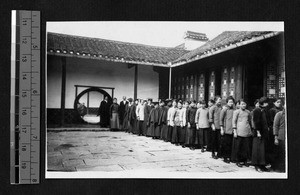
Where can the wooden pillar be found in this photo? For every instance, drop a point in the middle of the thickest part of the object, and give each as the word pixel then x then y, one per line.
pixel 63 91
pixel 135 81
pixel 170 81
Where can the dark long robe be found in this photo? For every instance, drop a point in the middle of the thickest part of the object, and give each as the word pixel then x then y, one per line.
pixel 114 116
pixel 157 130
pixel 132 119
pixel 103 111
pixel 126 118
pixel 190 132
pixel 152 122
pixel 147 110
pixel 259 122
pixel 163 123
pixel 122 111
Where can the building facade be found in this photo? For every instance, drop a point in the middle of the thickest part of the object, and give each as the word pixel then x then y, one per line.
pixel 82 70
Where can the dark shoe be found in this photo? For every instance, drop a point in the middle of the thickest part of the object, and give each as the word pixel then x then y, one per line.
pixel 226 160
pixel 192 148
pixel 213 155
pixel 246 164
pixel 176 144
pixel 239 164
pixel 264 169
pixel 202 150
pixel 183 146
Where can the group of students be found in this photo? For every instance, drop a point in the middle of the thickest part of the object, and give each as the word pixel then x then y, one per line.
pixel 230 132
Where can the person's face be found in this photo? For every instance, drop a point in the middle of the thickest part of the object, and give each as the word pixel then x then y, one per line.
pixel 186 105
pixel 124 98
pixel 243 105
pixel 210 104
pixel 230 103
pixel 136 102
pixel 105 98
pixel 257 105
pixel 115 100
pixel 192 105
pixel 218 101
pixel 278 103
pixel 179 105
pixel 202 105
pixel 156 105
pixel 238 105
pixel 265 104
pixel 198 105
pixel 174 104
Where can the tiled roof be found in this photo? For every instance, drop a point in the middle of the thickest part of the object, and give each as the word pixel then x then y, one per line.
pixel 61 44
pixel 69 45
pixel 225 41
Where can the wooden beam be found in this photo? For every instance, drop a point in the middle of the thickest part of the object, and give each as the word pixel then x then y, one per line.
pixel 135 81
pixel 170 81
pixel 131 65
pixel 63 91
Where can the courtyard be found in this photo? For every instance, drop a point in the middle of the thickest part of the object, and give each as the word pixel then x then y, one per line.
pixel 103 153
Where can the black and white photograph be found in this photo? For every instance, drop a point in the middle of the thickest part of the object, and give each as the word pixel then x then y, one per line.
pixel 134 99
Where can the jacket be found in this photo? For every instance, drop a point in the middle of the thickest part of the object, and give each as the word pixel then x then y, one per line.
pixel 214 115
pixel 279 125
pixel 202 118
pixel 226 117
pixel 241 122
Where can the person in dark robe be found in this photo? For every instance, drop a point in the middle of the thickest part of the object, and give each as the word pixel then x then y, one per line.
pixel 157 130
pixel 191 126
pixel 163 122
pixel 132 118
pixel 114 115
pixel 126 116
pixel 260 133
pixel 270 146
pixel 147 109
pixel 122 107
pixel 153 120
pixel 103 112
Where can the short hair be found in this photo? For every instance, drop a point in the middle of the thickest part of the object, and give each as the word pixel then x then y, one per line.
pixel 212 101
pixel 263 100
pixel 130 99
pixel 242 100
pixel 256 101
pixel 202 102
pixel 217 97
pixel 230 98
pixel 115 99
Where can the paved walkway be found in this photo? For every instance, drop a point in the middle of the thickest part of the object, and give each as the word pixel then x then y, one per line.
pixel 120 152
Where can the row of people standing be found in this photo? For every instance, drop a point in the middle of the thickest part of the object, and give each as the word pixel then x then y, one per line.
pixel 230 132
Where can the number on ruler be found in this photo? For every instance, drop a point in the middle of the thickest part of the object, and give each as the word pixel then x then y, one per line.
pixel 24 94
pixel 24 76
pixel 24 40
pixel 24 22
pixel 24 148
pixel 24 130
pixel 24 59
pixel 23 165
pixel 24 112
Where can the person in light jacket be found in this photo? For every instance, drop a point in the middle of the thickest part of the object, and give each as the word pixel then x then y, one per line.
pixel 183 124
pixel 170 118
pixel 226 128
pixel 241 123
pixel 140 114
pixel 202 126
pixel 279 140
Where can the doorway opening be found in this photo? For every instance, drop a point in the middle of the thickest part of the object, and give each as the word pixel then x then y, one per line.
pixel 87 103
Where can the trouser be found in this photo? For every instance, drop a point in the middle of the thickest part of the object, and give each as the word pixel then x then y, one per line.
pixel 226 145
pixel 243 149
pixel 216 137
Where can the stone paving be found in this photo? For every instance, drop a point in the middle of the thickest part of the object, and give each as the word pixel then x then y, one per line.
pixel 107 151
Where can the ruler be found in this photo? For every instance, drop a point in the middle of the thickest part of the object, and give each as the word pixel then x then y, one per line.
pixel 25 98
